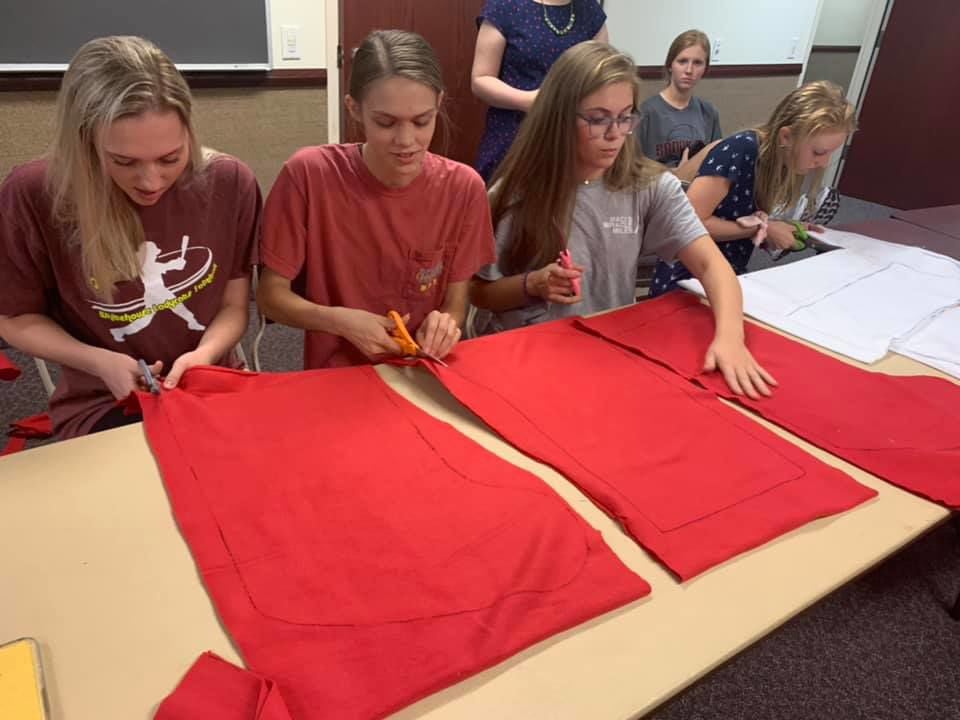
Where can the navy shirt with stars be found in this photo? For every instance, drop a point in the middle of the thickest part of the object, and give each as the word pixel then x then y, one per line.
pixel 734 158
pixel 532 47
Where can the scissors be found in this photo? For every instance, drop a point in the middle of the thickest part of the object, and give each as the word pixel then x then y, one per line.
pixel 408 346
pixel 148 377
pixel 800 235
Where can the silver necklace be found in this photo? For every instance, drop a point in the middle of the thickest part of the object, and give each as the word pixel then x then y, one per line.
pixel 556 30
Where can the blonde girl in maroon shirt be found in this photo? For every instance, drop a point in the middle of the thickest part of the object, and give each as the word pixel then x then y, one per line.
pixel 128 240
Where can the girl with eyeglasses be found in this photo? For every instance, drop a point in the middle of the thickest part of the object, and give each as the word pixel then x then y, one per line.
pixel 517 42
pixel 594 195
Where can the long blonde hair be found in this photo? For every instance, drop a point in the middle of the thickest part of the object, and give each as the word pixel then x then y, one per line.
pixel 810 109
pixel 109 78
pixel 536 182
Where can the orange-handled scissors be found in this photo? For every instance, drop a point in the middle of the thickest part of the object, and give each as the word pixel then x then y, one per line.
pixel 408 346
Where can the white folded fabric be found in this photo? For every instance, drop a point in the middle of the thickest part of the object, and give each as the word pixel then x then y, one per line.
pixel 936 342
pixel 858 300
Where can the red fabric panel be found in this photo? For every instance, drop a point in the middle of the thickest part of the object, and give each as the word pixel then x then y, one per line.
pixel 361 553
pixel 8 371
pixel 905 430
pixel 693 481
pixel 214 689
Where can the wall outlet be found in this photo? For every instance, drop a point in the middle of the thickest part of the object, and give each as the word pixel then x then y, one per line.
pixel 715 49
pixel 290 42
pixel 794 49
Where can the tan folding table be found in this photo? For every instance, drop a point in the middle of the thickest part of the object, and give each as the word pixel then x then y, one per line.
pixel 93 566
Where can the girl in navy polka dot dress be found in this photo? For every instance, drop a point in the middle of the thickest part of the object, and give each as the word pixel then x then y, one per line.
pixel 517 42
pixel 763 171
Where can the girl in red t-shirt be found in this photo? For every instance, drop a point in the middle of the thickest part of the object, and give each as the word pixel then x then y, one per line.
pixel 128 241
pixel 353 231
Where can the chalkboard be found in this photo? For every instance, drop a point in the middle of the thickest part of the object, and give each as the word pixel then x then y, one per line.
pixel 196 34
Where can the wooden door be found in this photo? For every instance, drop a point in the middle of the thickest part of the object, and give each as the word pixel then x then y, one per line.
pixel 450 27
pixel 906 152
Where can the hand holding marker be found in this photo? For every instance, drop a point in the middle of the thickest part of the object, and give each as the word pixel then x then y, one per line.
pixel 566 262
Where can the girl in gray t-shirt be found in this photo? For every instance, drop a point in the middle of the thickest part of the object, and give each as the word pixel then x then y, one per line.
pixel 572 182
pixel 674 124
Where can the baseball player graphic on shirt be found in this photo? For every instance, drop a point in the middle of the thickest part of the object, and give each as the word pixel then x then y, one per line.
pixel 157 295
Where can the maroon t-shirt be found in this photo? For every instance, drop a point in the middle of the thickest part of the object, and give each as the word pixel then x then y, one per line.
pixel 201 234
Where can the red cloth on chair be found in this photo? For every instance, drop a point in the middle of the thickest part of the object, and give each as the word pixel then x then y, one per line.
pixel 213 689
pixel 8 371
pixel 693 481
pixel 361 553
pixel 905 430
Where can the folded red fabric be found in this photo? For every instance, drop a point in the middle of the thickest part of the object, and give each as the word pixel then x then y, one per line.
pixel 214 689
pixel 361 553
pixel 904 429
pixel 693 481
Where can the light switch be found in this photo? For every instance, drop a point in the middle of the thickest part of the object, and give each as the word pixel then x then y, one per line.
pixel 290 42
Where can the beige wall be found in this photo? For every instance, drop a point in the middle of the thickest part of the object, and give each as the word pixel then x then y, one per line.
pixel 261 127
pixel 26 123
pixel 264 127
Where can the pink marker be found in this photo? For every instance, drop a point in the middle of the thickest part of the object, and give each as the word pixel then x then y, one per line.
pixel 566 261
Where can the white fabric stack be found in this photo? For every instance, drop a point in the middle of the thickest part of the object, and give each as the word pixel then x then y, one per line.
pixel 864 300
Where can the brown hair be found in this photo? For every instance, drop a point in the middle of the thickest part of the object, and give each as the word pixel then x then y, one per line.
pixel 681 42
pixel 810 109
pixel 536 184
pixel 108 79
pixel 397 53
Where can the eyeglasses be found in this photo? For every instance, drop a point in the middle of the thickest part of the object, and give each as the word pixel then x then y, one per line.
pixel 600 125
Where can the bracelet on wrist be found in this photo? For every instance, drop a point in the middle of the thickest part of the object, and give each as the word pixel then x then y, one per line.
pixel 526 293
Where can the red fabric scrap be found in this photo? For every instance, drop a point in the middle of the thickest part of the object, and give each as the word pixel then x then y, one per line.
pixel 35 426
pixel 214 689
pixel 8 371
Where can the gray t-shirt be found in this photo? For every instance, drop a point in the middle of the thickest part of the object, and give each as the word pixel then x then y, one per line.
pixel 665 132
pixel 608 233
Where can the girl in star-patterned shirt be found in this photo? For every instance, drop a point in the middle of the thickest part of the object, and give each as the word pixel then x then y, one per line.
pixel 764 170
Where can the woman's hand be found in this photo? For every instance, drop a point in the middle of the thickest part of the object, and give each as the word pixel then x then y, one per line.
pixel 743 374
pixel 810 227
pixel 553 283
pixel 121 373
pixel 184 363
pixel 780 235
pixel 438 333
pixel 366 331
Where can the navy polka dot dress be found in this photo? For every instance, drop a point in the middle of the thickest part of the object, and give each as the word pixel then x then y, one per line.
pixel 532 47
pixel 734 158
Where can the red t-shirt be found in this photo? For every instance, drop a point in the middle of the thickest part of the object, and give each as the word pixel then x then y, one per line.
pixel 200 234
pixel 347 240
